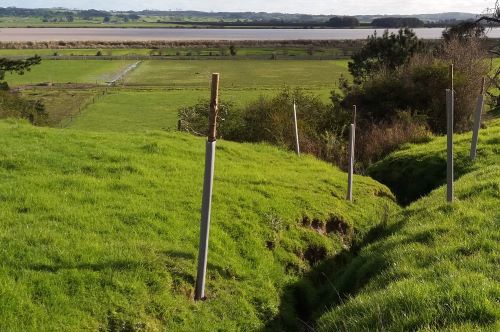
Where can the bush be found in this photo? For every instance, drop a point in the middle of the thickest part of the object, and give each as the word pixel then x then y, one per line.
pixel 194 119
pixel 13 106
pixel 375 141
pixel 419 87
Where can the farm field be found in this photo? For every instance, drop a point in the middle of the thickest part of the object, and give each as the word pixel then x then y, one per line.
pixel 241 74
pixel 69 71
pixel 152 93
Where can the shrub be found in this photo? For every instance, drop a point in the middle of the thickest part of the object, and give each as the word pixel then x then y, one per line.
pixel 13 106
pixel 419 87
pixel 194 119
pixel 375 141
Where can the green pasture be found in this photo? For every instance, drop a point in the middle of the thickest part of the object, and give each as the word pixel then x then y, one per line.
pixel 70 71
pixel 240 73
pixel 139 110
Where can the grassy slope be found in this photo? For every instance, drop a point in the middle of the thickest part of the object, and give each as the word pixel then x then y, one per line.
pixel 74 71
pixel 417 169
pixel 436 267
pixel 101 230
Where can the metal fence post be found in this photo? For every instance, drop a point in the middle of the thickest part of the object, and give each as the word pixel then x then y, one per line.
pixel 207 191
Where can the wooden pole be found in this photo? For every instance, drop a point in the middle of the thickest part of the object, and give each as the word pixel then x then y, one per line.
pixel 206 205
pixel 297 146
pixel 477 121
pixel 450 101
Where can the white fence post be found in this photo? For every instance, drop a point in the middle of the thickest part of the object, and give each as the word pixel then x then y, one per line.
pixel 207 191
pixel 477 121
pixel 352 140
pixel 297 146
pixel 450 105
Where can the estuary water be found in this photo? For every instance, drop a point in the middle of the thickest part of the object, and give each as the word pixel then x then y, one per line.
pixel 135 34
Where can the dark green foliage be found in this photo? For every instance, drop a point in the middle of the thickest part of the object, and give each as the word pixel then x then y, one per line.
pixel 233 50
pixel 13 106
pixel 388 51
pixel 397 22
pixel 17 66
pixel 194 119
pixel 417 88
pixel 463 31
pixel 343 22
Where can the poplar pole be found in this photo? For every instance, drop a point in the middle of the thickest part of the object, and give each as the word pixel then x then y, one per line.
pixel 450 103
pixel 206 205
pixel 297 146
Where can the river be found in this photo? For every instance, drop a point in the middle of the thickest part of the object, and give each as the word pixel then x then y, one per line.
pixel 128 34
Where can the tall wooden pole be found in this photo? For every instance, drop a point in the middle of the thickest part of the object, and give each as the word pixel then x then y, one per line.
pixel 450 105
pixel 477 121
pixel 206 205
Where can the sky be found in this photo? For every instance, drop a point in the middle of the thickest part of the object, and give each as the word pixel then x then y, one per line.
pixel 336 7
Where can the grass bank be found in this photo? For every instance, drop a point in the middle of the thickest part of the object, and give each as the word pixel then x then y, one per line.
pixel 100 231
pixel 430 267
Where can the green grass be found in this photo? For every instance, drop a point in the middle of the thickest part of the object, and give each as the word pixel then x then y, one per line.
pixel 239 74
pixel 70 71
pixel 435 265
pixel 100 231
pixel 61 104
pixel 417 169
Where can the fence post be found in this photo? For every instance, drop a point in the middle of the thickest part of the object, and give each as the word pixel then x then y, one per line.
pixel 477 121
pixel 297 146
pixel 352 139
pixel 450 105
pixel 207 191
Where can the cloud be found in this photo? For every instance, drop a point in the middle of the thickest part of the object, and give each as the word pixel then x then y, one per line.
pixel 339 7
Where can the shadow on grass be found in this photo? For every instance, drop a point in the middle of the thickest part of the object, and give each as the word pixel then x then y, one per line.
pixel 411 178
pixel 330 283
pixel 121 265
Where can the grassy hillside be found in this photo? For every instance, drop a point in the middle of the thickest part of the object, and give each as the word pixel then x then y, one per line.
pixel 415 170
pixel 430 267
pixel 100 231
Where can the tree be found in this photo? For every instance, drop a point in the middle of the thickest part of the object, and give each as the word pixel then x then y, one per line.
pixel 232 50
pixel 106 19
pixel 343 22
pixel 16 66
pixel 397 22
pixel 389 51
